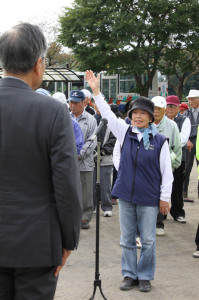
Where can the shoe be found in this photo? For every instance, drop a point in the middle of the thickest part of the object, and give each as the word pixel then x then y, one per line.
pixel 94 212
pixel 128 283
pixel 108 213
pixel 85 224
pixel 196 254
pixel 180 220
pixel 185 195
pixel 138 243
pixel 114 201
pixel 160 232
pixel 144 286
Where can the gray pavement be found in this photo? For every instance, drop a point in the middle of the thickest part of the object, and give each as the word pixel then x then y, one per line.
pixel 177 272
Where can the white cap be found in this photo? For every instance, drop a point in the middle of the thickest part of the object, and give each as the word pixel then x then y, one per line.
pixel 193 93
pixel 43 91
pixel 60 97
pixel 159 101
pixel 87 93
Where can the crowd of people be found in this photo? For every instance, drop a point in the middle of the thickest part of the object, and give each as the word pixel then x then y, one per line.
pixel 162 125
pixel 48 171
pixel 153 152
pixel 174 125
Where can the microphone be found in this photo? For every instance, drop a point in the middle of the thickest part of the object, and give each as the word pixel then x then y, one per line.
pixel 103 122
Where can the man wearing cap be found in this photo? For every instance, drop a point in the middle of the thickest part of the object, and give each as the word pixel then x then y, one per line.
pixel 170 130
pixel 79 139
pixel 88 126
pixel 87 101
pixel 193 116
pixel 184 127
pixel 183 107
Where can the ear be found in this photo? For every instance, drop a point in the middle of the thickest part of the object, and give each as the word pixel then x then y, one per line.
pixel 37 73
pixel 38 66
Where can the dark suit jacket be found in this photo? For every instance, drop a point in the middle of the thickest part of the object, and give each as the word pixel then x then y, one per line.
pixel 40 196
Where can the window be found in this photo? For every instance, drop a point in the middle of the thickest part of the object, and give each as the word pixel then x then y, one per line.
pixel 78 85
pixel 127 83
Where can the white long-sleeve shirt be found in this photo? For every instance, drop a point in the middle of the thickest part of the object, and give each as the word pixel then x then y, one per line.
pixel 119 129
pixel 185 131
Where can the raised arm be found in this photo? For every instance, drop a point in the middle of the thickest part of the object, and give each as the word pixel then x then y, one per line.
pixel 117 127
pixel 93 81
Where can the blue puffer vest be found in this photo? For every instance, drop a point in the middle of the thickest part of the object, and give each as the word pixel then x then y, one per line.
pixel 139 178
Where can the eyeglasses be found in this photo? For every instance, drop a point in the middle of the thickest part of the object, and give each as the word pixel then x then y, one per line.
pixel 171 106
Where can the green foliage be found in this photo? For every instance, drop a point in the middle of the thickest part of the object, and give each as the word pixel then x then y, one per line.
pixel 191 84
pixel 127 37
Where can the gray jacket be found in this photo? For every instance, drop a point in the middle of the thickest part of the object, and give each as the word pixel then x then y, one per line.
pixel 88 126
pixel 106 160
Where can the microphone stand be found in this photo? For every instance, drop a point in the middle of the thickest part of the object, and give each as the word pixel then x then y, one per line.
pixel 97 281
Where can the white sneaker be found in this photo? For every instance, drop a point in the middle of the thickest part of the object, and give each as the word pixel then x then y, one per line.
pixel 180 220
pixel 160 232
pixel 196 254
pixel 94 212
pixel 108 213
pixel 138 243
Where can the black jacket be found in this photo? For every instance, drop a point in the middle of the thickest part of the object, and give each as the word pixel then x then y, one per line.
pixel 194 124
pixel 110 143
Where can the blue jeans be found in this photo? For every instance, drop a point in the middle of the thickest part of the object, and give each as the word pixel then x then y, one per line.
pixel 131 216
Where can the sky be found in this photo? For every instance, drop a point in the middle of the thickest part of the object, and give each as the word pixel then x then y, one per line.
pixel 13 12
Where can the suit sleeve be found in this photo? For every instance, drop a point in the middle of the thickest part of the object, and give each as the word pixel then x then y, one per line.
pixel 66 178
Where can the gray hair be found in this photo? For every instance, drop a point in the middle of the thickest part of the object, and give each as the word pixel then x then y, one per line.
pixel 20 48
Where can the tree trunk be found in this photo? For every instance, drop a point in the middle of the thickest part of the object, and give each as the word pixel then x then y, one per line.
pixel 179 91
pixel 180 87
pixel 141 89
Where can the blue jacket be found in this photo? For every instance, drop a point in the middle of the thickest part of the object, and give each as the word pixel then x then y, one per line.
pixel 139 178
pixel 79 138
pixel 88 126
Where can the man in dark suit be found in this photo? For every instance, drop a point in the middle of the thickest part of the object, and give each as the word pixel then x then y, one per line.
pixel 40 199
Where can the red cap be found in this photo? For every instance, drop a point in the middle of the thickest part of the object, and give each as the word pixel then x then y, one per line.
pixel 184 106
pixel 173 100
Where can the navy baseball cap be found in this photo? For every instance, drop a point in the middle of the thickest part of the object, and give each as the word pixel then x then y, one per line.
pixel 76 96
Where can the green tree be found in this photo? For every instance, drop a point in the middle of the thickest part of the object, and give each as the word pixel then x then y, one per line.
pixel 180 59
pixel 180 70
pixel 57 57
pixel 192 83
pixel 124 36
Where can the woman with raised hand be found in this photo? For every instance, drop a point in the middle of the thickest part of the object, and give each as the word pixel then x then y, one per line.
pixel 143 184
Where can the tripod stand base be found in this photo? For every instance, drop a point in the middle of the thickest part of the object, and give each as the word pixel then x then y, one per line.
pixel 97 283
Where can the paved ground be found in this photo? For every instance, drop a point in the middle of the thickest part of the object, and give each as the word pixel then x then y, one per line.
pixel 177 272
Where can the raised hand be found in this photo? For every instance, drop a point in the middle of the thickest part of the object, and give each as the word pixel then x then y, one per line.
pixel 93 82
